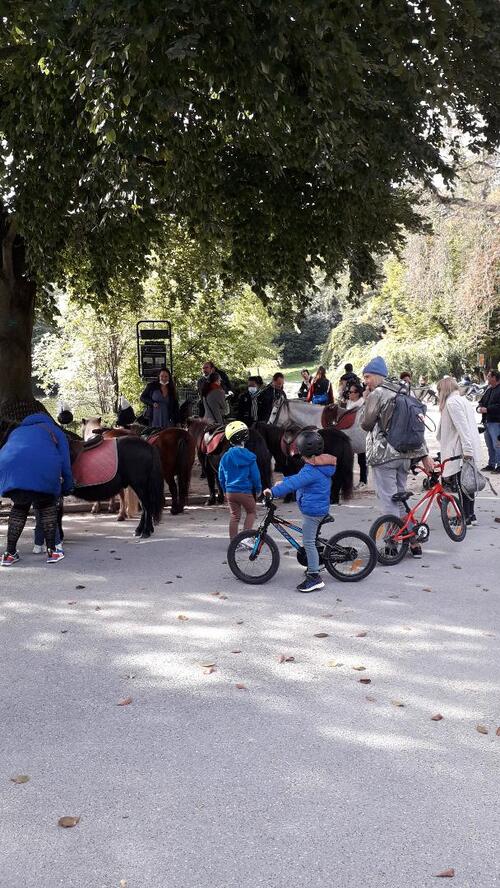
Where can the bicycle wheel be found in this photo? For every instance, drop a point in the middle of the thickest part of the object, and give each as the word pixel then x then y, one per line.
pixel 453 518
pixel 350 556
pixel 253 558
pixel 382 532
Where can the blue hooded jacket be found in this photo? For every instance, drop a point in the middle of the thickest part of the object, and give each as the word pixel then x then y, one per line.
pixel 312 485
pixel 35 457
pixel 238 471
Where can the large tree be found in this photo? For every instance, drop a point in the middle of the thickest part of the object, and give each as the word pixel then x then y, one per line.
pixel 281 135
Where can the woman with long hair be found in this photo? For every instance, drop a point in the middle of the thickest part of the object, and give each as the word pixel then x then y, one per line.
pixel 458 435
pixel 160 398
pixel 320 390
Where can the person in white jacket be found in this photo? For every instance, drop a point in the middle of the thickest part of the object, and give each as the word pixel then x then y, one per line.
pixel 458 435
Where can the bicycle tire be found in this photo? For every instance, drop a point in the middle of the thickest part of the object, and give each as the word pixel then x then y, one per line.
pixel 249 578
pixel 451 529
pixel 335 542
pixel 400 548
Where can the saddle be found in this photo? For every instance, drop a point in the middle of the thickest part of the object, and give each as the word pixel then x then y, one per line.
pixel 211 439
pixel 91 443
pixel 96 465
pixel 331 418
pixel 401 497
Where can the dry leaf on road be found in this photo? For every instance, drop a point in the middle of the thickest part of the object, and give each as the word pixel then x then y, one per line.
pixel 359 668
pixel 286 658
pixel 236 651
pixel 68 822
pixel 361 634
pixel 397 703
pixel 333 663
pixel 240 686
pixel 437 718
pixel 497 732
pixel 125 702
pixel 446 874
pixel 209 669
pixel 321 634
pixel 482 729
pixel 20 778
pixel 365 681
pixel 182 617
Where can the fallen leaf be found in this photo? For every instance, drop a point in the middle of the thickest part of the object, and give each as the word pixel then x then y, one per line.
pixel 208 664
pixel 98 608
pixel 285 658
pixel 482 729
pixel 321 634
pixel 359 668
pixel 426 589
pixel 20 778
pixel 489 634
pixel 371 699
pixel 365 681
pixel 182 617
pixel 240 686
pixel 208 670
pixel 222 597
pixel 79 587
pixel 125 702
pixel 437 718
pixel 236 651
pixel 72 602
pixel 327 616
pixel 123 883
pixel 497 732
pixel 397 703
pixel 497 520
pixel 67 822
pixel 361 634
pixel 239 622
pixel 446 874
pixel 333 663
pixel 63 631
pixel 393 596
pixel 214 593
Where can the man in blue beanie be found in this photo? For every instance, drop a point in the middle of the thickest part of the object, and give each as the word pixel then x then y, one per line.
pixel 390 468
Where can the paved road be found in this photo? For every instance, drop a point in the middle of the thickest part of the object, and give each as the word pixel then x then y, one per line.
pixel 304 778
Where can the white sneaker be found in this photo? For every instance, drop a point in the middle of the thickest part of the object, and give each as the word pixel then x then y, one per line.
pixel 59 548
pixel 37 550
pixel 246 544
pixel 360 486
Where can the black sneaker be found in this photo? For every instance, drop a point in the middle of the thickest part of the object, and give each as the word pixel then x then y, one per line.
pixel 311 583
pixel 415 551
pixel 488 468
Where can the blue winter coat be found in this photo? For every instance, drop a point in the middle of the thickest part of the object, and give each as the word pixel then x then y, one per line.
pixel 238 471
pixel 312 485
pixel 35 457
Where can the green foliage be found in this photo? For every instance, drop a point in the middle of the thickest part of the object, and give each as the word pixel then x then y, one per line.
pixel 351 333
pixel 281 138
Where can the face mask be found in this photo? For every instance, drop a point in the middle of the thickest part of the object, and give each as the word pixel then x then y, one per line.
pixel 252 389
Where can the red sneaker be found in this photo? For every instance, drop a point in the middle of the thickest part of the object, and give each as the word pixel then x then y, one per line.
pixel 8 560
pixel 53 556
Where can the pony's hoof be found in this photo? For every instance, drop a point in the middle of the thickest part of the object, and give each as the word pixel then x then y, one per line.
pixel 220 500
pixel 211 501
pixel 145 536
pixel 174 510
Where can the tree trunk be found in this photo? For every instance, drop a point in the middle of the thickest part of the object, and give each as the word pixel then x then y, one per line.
pixel 17 302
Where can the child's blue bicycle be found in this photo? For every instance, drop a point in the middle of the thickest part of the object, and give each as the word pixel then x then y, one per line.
pixel 254 557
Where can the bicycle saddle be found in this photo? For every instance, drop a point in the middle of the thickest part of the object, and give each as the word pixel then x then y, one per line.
pixel 401 497
pixel 326 520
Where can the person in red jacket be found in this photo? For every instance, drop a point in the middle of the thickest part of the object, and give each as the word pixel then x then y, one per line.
pixel 320 390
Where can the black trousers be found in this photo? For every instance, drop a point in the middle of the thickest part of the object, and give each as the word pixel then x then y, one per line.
pixel 363 468
pixel 22 501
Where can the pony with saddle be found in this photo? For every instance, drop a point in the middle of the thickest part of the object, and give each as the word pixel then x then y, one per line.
pixel 211 444
pixel 295 413
pixel 175 447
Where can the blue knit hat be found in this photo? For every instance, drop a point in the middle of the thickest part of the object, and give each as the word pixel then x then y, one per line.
pixel 376 365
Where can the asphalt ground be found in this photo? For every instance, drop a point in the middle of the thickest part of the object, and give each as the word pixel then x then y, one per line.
pixel 303 777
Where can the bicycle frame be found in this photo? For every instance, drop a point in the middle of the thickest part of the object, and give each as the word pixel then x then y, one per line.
pixel 437 491
pixel 279 523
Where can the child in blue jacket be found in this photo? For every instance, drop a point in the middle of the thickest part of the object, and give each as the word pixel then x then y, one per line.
pixel 239 478
pixel 312 485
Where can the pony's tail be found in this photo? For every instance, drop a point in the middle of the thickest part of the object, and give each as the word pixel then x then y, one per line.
pixel 184 464
pixel 345 464
pixel 156 493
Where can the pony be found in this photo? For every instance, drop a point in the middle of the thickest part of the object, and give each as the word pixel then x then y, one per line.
pixel 336 443
pixel 210 461
pixel 296 413
pixel 177 452
pixel 128 502
pixel 138 466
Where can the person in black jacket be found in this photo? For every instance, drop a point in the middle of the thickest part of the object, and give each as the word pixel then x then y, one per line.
pixel 305 384
pixel 489 407
pixel 270 394
pixel 160 398
pixel 252 404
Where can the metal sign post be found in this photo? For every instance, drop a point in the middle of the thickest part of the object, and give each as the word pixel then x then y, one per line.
pixel 154 344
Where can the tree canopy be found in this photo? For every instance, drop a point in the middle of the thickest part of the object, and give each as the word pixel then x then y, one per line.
pixel 281 136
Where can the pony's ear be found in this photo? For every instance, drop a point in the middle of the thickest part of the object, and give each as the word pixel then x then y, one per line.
pixel 84 422
pixel 98 420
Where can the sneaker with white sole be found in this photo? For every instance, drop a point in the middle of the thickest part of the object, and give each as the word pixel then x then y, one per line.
pixel 37 550
pixel 8 560
pixel 53 556
pixel 311 583
pixel 361 486
pixel 246 544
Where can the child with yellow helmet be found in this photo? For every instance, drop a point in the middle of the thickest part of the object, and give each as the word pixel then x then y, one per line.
pixel 239 478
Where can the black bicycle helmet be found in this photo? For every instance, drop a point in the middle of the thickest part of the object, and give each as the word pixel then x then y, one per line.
pixel 310 443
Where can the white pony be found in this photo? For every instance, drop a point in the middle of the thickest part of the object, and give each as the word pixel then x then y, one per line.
pixel 297 413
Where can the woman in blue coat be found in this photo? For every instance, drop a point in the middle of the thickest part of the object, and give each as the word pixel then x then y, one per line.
pixel 34 462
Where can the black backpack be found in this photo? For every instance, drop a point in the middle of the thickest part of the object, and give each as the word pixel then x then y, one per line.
pixel 406 430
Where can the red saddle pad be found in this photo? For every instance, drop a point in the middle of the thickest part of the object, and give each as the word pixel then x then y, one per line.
pixel 212 444
pixel 96 466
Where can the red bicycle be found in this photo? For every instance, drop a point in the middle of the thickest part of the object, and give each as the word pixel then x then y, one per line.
pixel 392 535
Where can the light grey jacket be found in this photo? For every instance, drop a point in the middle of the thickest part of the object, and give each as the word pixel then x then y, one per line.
pixel 379 407
pixel 215 406
pixel 457 433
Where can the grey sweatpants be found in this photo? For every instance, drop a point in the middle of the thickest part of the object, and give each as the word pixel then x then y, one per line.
pixel 391 478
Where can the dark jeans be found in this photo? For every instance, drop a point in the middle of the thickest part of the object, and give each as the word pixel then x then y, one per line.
pixel 363 468
pixel 467 503
pixel 22 501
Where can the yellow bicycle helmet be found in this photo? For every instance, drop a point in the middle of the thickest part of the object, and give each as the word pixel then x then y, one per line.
pixel 237 433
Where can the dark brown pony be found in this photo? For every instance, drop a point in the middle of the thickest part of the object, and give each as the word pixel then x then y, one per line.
pixel 177 452
pixel 210 462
